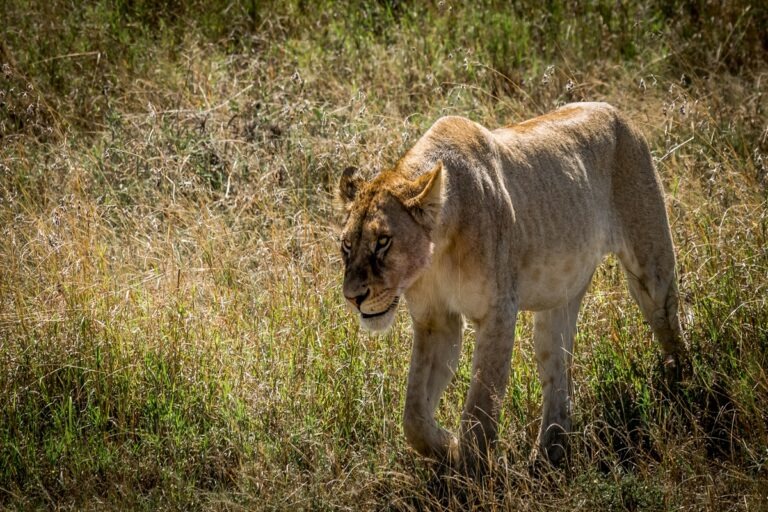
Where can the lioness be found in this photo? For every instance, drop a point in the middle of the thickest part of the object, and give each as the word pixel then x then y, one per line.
pixel 481 224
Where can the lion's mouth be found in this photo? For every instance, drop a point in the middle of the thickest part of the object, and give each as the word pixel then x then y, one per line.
pixel 389 308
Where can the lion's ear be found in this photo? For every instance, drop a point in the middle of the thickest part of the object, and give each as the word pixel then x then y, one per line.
pixel 427 192
pixel 349 185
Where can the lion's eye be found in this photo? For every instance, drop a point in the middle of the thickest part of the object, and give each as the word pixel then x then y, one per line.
pixel 383 242
pixel 346 247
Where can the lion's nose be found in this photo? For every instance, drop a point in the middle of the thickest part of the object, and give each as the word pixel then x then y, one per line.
pixel 358 300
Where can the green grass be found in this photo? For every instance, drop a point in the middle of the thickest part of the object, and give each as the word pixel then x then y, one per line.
pixel 171 329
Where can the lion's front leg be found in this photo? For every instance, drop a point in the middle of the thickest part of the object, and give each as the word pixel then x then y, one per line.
pixel 490 372
pixel 436 350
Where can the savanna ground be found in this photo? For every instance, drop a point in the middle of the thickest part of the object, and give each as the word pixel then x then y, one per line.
pixel 172 334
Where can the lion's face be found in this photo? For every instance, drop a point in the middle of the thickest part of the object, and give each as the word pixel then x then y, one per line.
pixel 385 242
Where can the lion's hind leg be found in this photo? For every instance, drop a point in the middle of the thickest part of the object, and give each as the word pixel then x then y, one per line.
pixel 646 250
pixel 652 284
pixel 553 333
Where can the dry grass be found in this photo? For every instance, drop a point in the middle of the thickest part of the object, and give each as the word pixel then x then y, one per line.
pixel 171 334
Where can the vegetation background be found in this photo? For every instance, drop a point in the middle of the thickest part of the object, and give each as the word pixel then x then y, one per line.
pixel 171 329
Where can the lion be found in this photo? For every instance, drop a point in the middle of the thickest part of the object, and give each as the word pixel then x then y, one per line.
pixel 477 224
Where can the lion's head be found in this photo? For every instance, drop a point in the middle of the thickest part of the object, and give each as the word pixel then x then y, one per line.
pixel 387 239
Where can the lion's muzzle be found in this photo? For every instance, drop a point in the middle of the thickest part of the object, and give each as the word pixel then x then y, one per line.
pixel 357 300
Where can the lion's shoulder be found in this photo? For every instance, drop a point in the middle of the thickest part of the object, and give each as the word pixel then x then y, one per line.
pixel 449 138
pixel 456 130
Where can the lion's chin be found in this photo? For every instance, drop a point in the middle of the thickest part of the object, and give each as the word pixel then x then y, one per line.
pixel 382 321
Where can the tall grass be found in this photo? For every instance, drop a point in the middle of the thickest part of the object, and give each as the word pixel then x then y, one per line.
pixel 171 334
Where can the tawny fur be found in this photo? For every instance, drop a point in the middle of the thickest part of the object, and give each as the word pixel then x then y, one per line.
pixel 477 224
